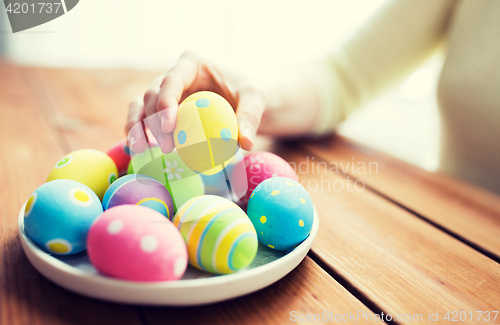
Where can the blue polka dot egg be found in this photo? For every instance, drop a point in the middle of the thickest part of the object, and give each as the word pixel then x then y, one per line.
pixel 58 215
pixel 282 212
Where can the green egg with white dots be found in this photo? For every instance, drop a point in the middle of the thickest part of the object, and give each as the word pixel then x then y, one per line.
pixel 282 212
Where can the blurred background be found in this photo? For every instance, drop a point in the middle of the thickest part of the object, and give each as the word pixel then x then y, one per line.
pixel 252 37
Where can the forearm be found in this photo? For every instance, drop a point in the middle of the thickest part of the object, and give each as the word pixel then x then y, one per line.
pixel 391 45
pixel 292 106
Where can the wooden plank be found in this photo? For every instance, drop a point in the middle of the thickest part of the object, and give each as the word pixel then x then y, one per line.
pixel 466 211
pixel 28 151
pixel 307 293
pixel 82 109
pixel 308 289
pixel 397 261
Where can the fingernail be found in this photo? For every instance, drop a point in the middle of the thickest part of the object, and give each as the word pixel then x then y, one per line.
pixel 132 140
pixel 163 120
pixel 248 134
pixel 162 147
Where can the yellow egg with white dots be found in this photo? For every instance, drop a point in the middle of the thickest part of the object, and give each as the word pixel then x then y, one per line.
pixel 206 133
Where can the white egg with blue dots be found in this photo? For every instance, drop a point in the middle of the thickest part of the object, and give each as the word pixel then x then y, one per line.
pixel 282 213
pixel 58 215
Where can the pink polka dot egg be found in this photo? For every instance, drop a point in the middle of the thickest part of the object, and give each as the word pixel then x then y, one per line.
pixel 136 243
pixel 258 167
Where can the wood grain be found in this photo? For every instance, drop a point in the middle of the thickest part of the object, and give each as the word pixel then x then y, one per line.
pixel 93 99
pixel 87 109
pixel 307 290
pixel 465 210
pixel 28 151
pixel 399 262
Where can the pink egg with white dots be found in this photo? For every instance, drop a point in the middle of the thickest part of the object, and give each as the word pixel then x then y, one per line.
pixel 136 243
pixel 258 167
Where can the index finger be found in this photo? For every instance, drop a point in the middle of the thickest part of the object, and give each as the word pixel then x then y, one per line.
pixel 137 140
pixel 178 79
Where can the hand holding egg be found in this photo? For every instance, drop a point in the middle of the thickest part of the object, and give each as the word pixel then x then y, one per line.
pixel 192 73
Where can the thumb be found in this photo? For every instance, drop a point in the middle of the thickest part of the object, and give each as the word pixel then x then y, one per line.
pixel 251 105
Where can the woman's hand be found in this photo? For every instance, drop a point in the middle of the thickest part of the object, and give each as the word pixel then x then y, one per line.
pixel 157 108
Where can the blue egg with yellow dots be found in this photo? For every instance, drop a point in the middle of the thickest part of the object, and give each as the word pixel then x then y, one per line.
pixel 58 215
pixel 142 190
pixel 282 212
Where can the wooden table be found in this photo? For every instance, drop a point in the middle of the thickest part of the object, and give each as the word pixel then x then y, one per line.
pixel 394 239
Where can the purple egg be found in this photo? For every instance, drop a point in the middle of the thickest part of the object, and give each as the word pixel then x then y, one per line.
pixel 142 190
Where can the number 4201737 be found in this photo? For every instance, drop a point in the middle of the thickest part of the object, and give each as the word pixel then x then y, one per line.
pixel 23 8
pixel 455 316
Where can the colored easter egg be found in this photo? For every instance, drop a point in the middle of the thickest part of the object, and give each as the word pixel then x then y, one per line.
pixel 169 169
pixel 135 243
pixel 150 163
pixel 256 168
pixel 206 132
pixel 120 153
pixel 58 216
pixel 219 236
pixel 139 190
pixel 216 184
pixel 282 212
pixel 87 166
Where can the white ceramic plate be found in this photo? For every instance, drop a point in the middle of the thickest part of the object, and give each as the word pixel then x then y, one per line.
pixel 76 273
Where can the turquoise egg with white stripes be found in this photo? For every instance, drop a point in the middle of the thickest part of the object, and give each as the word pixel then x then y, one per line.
pixel 219 235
